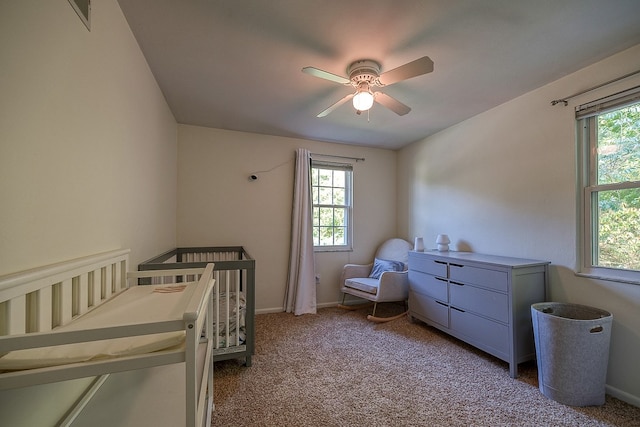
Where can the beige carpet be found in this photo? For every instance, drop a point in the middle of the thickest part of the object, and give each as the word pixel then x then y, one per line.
pixel 337 369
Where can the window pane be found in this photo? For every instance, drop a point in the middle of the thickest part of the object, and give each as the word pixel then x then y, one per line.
pixel 619 145
pixel 339 178
pixel 618 229
pixel 340 236
pixel 339 196
pixel 339 217
pixel 325 177
pixel 326 236
pixel 325 196
pixel 326 216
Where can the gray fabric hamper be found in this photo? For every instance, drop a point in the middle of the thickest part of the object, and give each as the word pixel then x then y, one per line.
pixel 572 351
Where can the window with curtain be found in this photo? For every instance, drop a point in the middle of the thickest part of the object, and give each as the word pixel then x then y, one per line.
pixel 331 185
pixel 609 166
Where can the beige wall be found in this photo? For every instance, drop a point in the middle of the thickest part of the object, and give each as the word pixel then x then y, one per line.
pixel 503 182
pixel 218 205
pixel 88 144
pixel 88 152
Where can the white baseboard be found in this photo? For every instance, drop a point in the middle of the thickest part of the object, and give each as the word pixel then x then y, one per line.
pixel 269 310
pixel 328 304
pixel 281 309
pixel 623 395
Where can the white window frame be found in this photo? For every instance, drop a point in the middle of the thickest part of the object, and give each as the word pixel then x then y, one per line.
pixel 588 187
pixel 348 168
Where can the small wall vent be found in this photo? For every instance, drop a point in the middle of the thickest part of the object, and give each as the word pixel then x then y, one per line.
pixel 83 9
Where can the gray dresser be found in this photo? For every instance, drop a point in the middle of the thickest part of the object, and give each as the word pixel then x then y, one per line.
pixel 484 300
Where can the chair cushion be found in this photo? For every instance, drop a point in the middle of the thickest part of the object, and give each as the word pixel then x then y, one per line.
pixel 382 265
pixel 364 284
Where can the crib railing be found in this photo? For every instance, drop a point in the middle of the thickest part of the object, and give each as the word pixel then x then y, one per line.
pixel 58 293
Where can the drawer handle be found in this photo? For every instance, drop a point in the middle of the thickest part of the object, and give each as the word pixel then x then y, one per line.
pixel 441 303
pixel 457 309
pixel 440 262
pixel 456 283
pixel 457 265
pixel 441 279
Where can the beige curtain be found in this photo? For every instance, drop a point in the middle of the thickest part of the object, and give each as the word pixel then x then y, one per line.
pixel 300 295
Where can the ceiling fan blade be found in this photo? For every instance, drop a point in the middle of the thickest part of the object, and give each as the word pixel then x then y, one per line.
pixel 326 75
pixel 391 103
pixel 336 105
pixel 411 69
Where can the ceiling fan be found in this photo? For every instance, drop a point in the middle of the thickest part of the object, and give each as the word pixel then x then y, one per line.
pixel 364 76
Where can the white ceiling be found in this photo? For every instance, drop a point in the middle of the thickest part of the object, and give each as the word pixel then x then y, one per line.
pixel 236 64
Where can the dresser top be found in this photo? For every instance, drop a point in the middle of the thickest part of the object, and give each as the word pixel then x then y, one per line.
pixel 453 256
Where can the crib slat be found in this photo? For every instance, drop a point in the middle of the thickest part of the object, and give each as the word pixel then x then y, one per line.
pixel 216 309
pixel 44 307
pixel 16 315
pixel 96 292
pixel 120 276
pixel 108 280
pixel 83 294
pixel 237 294
pixel 104 292
pixel 226 301
pixel 66 301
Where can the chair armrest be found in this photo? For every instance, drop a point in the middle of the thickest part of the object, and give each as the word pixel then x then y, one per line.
pixel 394 286
pixel 355 270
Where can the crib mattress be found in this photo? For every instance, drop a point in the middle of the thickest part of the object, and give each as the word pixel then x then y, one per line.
pixel 138 305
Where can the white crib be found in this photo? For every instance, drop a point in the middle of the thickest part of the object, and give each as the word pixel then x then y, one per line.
pixel 48 314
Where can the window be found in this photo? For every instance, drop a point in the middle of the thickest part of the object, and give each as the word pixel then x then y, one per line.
pixel 331 185
pixel 609 149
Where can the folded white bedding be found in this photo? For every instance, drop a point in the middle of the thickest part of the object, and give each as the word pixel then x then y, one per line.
pixel 137 305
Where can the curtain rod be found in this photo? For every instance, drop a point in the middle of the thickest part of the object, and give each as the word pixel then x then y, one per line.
pixel 357 159
pixel 566 98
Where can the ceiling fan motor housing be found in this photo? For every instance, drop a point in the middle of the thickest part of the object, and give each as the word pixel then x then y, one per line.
pixel 364 71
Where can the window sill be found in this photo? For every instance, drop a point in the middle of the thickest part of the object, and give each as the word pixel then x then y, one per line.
pixel 332 249
pixel 611 275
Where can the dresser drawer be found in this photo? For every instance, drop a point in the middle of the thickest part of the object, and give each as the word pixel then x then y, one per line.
pixel 481 301
pixel 426 265
pixel 492 336
pixel 492 279
pixel 429 308
pixel 426 284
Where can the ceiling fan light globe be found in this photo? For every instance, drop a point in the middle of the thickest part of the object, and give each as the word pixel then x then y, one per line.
pixel 362 101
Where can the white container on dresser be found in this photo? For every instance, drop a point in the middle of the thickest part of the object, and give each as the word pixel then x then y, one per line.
pixel 484 300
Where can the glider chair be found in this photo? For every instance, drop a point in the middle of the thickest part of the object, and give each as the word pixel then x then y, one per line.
pixel 384 280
